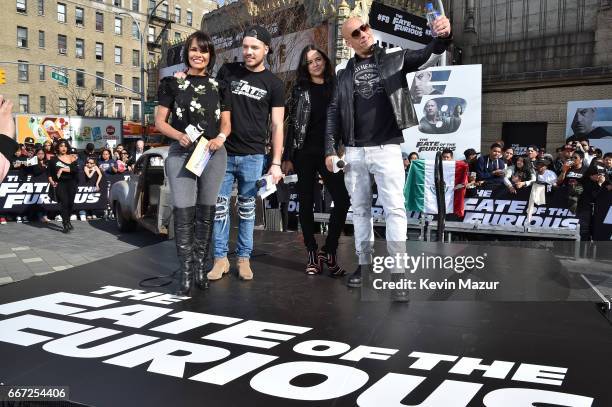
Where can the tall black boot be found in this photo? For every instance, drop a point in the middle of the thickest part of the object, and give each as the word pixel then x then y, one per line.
pixel 204 223
pixel 183 235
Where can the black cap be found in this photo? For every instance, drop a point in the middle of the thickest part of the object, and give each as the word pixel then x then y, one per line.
pixel 260 33
pixel 28 140
pixel 470 151
pixel 541 162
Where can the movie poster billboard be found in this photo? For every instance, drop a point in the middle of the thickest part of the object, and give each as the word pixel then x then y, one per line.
pixel 447 100
pixel 76 129
pixel 591 119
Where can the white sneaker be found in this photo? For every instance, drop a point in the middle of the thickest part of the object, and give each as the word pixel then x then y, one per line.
pixel 94 217
pixel 58 218
pixel 25 219
pixel 83 218
pixel 18 219
pixel 73 217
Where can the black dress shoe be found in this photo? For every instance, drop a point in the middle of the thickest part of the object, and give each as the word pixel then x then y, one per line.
pixel 66 228
pixel 70 226
pixel 354 279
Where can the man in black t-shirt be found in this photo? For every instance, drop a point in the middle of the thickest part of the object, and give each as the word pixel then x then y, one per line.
pixel 370 107
pixel 258 100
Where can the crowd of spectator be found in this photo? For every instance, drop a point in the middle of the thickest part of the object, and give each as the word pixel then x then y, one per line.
pixel 32 159
pixel 584 171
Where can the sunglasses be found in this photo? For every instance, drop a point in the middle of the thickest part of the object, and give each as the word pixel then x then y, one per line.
pixel 362 28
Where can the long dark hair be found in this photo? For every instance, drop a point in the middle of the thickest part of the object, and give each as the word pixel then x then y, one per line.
pixel 205 44
pixel 303 76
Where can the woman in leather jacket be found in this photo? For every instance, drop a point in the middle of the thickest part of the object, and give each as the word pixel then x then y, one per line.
pixel 305 154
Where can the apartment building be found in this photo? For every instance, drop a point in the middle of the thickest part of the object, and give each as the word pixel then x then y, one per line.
pixel 96 44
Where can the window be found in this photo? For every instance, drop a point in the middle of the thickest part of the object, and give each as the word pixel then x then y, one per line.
pixel 118 109
pixel 41 73
pixel 61 12
pixel 41 7
pixel 177 14
pixel 135 5
pixel 135 32
pixel 80 107
pixel 23 71
pixel 118 80
pixel 151 36
pixel 99 108
pixel 63 106
pixel 79 16
pixel 22 6
pixel 163 10
pixel 41 39
pixel 100 80
pixel 151 57
pixel 43 104
pixel 189 18
pixel 177 36
pixel 62 44
pixel 118 54
pixel 135 57
pixel 136 112
pixel 118 25
pixel 24 104
pixel 117 3
pixel 99 21
pixel 136 84
pixel 151 5
pixel 99 51
pixel 22 37
pixel 80 78
pixel 80 48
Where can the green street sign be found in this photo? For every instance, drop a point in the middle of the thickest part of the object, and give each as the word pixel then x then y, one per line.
pixel 150 106
pixel 59 77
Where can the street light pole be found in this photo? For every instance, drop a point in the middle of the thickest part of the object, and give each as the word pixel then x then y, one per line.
pixel 142 72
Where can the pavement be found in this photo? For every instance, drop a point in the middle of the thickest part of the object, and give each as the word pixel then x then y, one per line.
pixel 34 248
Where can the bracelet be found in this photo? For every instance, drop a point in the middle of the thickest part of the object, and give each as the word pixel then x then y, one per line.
pixel 223 136
pixel 275 164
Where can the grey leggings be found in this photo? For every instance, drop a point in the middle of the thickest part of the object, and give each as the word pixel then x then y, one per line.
pixel 185 187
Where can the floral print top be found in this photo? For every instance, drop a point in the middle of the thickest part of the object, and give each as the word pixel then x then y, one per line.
pixel 196 100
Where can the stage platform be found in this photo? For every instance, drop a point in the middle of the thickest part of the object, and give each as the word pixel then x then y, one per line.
pixel 368 352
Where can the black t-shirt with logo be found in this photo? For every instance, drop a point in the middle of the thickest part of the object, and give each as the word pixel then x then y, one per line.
pixel 374 119
pixel 577 174
pixel 253 95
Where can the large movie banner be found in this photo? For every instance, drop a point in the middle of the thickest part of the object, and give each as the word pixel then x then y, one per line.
pixel 447 100
pixel 21 193
pixel 498 206
pixel 591 119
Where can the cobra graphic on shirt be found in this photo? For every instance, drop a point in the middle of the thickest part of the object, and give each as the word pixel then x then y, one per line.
pixel 242 87
pixel 367 80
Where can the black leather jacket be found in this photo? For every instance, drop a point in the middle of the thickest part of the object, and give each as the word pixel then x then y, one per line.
pixel 393 68
pixel 300 106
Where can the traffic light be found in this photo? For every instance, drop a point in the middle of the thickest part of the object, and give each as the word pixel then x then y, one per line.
pixel 2 76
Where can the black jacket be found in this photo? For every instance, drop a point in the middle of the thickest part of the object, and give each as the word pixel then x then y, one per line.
pixel 300 107
pixel 393 68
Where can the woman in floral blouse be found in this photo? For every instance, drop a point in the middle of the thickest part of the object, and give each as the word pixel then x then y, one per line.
pixel 196 100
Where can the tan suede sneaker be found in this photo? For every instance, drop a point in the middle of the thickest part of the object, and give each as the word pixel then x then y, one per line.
pixel 244 268
pixel 220 267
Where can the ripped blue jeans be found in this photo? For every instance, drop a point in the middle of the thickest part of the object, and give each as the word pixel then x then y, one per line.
pixel 246 170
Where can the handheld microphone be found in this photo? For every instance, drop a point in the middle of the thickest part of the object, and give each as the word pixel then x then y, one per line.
pixel 340 164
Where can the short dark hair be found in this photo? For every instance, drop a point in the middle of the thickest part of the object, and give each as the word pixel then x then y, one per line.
pixel 496 145
pixel 533 147
pixel 579 154
pixel 205 44
pixel 607 155
pixel 448 151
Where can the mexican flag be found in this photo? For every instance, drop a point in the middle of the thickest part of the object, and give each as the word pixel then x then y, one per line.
pixel 420 188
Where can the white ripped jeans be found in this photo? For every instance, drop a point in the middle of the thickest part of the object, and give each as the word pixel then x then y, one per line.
pixel 386 165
